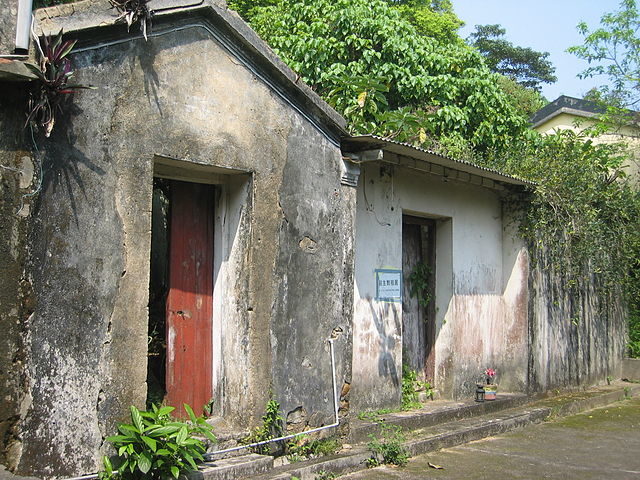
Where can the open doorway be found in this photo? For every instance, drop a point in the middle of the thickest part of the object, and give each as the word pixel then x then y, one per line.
pixel 418 303
pixel 181 295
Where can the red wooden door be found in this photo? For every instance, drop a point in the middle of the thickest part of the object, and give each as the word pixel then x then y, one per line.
pixel 190 298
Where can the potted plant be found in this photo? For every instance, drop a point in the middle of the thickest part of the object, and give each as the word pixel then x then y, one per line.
pixel 491 388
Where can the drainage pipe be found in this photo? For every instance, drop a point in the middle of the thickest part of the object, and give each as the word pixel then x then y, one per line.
pixel 336 422
pixel 23 25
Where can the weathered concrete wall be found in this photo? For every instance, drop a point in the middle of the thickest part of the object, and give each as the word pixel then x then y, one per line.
pixel 630 369
pixel 481 282
pixel 577 335
pixel 8 17
pixel 283 238
pixel 17 179
pixel 314 279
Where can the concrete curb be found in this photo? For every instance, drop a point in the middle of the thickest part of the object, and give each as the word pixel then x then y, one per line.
pixel 421 419
pixel 235 467
pixel 457 432
pixel 580 405
pixel 476 431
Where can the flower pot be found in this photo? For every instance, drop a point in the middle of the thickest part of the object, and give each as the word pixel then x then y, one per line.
pixel 490 392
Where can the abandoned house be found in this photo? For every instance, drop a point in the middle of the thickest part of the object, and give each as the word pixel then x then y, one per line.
pixel 200 228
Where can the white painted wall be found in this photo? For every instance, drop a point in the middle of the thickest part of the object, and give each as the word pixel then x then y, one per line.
pixel 481 270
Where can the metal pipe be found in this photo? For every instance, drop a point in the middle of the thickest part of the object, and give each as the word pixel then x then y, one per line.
pixel 293 435
pixel 23 25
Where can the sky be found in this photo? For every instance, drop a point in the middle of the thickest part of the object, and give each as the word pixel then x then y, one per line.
pixel 544 26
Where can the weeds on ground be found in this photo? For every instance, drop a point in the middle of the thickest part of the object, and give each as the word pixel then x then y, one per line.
pixel 411 387
pixel 300 449
pixel 272 427
pixel 388 449
pixel 374 415
pixel 324 475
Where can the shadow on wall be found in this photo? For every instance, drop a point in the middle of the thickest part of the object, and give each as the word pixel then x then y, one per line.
pixel 62 162
pixel 386 360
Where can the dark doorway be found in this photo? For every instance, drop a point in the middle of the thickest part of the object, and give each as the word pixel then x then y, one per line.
pixel 158 288
pixel 418 303
pixel 181 293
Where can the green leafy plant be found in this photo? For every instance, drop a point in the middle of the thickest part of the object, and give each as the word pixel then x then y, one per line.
pixel 301 448
pixel 272 427
pixel 429 391
pixel 324 475
pixel 156 446
pixel 54 74
pixel 419 283
pixel 411 387
pixel 388 449
pixel 634 318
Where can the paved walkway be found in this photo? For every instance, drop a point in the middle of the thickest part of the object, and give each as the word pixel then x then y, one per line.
pixel 598 444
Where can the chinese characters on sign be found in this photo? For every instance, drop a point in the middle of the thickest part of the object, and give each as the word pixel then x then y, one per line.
pixel 388 285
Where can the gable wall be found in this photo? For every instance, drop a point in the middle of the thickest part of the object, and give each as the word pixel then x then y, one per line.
pixel 182 96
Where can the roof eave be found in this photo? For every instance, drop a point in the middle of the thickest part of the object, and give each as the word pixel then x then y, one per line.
pixel 415 158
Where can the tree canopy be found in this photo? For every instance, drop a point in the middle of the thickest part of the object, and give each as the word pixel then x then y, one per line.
pixel 431 18
pixel 524 65
pixel 613 51
pixel 372 64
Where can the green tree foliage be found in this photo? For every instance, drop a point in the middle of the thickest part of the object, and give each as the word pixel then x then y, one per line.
pixel 583 211
pixel 613 51
pixel 245 7
pixel 373 66
pixel 431 18
pixel 524 65
pixel 525 100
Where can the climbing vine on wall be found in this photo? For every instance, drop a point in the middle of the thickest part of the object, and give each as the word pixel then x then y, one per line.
pixel 583 216
pixel 419 284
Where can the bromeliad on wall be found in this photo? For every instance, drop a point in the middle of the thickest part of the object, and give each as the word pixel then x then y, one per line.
pixel 53 74
pixel 132 11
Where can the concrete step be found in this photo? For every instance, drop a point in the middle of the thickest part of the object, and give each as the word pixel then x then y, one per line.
pixel 244 466
pixel 433 413
pixel 469 421
pixel 463 431
pixel 421 441
pixel 438 425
